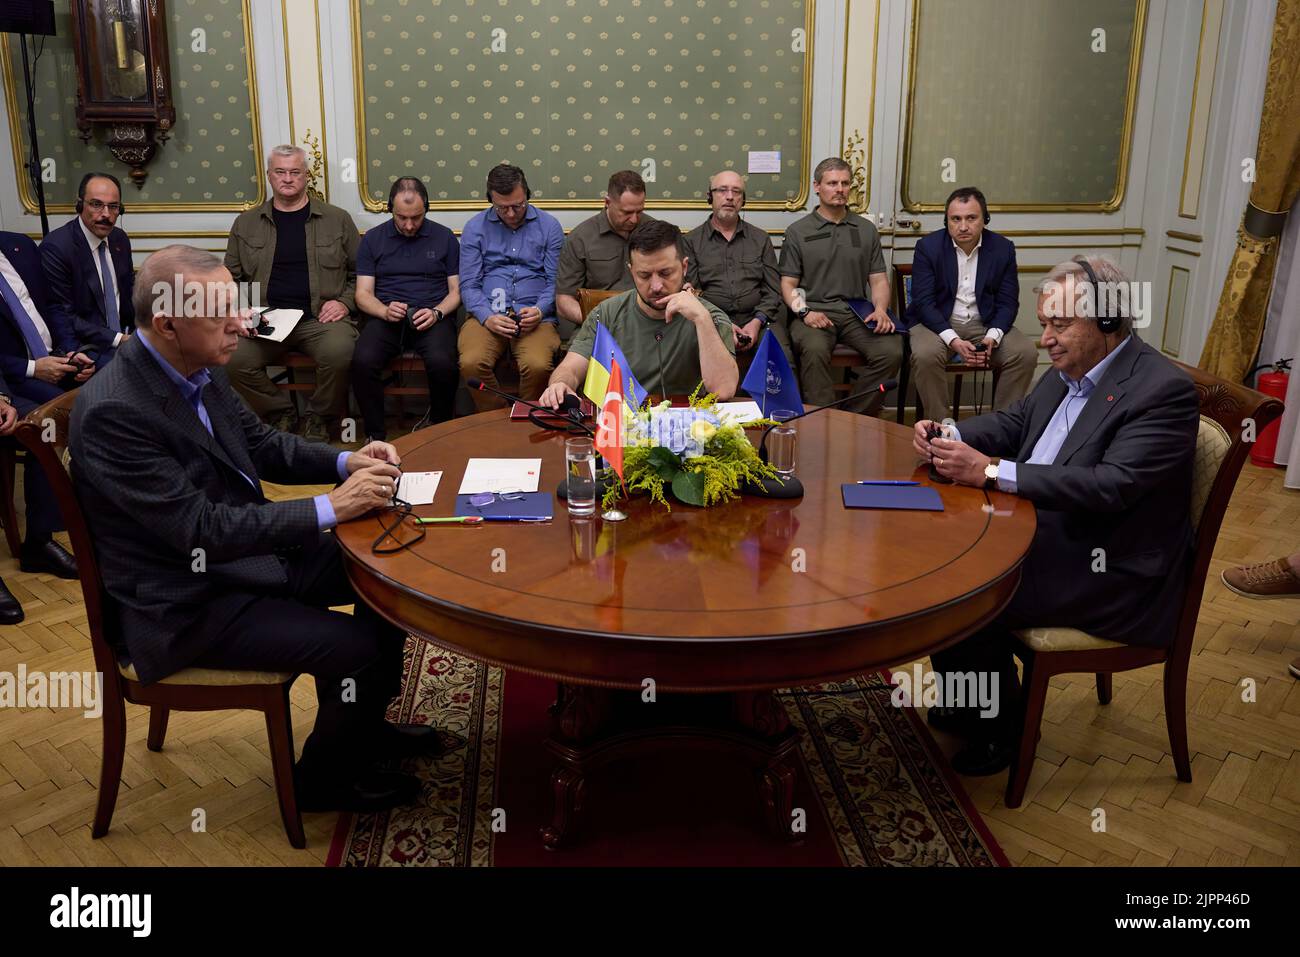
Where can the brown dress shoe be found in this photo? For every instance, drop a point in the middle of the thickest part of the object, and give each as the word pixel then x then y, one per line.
pixel 1295 668
pixel 1273 579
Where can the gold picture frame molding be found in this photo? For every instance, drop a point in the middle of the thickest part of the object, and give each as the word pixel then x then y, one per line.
pixel 1126 135
pixel 28 199
pixel 474 203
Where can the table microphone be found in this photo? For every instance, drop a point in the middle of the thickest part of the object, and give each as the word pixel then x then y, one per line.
pixel 659 347
pixel 791 487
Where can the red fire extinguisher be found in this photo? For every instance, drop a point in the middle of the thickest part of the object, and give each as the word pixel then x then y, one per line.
pixel 1274 384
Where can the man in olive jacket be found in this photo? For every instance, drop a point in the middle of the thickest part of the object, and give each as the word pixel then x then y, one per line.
pixel 303 254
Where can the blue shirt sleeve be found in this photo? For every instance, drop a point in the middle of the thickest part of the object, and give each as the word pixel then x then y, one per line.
pixel 366 256
pixel 470 267
pixel 325 518
pixel 451 261
pixel 554 244
pixel 341 465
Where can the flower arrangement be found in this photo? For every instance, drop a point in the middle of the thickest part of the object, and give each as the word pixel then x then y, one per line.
pixel 694 453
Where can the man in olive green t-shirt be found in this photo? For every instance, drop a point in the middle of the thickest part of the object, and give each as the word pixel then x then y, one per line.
pixel 672 339
pixel 829 257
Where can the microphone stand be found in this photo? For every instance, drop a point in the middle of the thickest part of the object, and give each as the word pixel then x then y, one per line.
pixel 573 413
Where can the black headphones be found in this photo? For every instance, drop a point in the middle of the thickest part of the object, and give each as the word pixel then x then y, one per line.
pixel 408 184
pixel 85 181
pixel 1106 322
pixel 708 195
pixel 974 194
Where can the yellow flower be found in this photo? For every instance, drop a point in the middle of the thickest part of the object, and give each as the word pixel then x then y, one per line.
pixel 702 430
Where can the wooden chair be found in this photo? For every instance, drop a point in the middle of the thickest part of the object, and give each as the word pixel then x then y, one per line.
pixel 192 689
pixel 1220 451
pixel 589 299
pixel 902 295
pixel 8 511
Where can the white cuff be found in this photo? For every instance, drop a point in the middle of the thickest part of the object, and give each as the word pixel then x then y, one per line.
pixel 31 368
pixel 995 335
pixel 947 336
pixel 117 340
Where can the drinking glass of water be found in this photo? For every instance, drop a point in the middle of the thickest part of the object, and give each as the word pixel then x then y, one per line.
pixel 580 464
pixel 781 443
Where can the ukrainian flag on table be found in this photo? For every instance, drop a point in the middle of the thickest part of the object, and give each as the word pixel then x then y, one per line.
pixel 599 367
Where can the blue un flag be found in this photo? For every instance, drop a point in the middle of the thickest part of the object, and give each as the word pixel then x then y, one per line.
pixel 769 381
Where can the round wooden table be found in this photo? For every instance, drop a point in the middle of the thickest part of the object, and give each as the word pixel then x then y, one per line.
pixel 726 603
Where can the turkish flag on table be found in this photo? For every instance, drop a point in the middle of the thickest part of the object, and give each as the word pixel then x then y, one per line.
pixel 609 428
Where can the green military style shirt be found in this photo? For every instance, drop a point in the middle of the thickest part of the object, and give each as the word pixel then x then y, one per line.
pixel 594 257
pixel 332 241
pixel 634 331
pixel 832 261
pixel 738 275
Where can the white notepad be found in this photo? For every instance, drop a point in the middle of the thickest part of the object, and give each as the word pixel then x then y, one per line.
pixel 282 322
pixel 501 475
pixel 418 488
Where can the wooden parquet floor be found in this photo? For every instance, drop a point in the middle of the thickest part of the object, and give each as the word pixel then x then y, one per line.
pixel 1242 808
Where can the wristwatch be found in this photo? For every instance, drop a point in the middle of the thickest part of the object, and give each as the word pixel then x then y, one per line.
pixel 802 312
pixel 437 314
pixel 991 474
pixel 762 320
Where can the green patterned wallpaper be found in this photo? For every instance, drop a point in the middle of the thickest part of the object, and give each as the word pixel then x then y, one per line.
pixel 1014 94
pixel 211 159
pixel 572 91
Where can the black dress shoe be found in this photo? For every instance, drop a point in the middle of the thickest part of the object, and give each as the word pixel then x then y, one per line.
pixel 959 721
pixel 982 758
pixel 11 612
pixel 372 791
pixel 48 557
pixel 408 741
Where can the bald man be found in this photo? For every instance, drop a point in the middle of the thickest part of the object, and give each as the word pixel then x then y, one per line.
pixel 732 264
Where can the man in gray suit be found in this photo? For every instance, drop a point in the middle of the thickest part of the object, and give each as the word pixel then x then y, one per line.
pixel 1103 446
pixel 201 568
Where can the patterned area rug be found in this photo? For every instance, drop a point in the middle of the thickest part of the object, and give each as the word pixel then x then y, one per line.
pixel 877 790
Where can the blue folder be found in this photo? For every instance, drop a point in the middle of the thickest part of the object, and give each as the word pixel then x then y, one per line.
pixel 863 308
pixel 920 497
pixel 532 505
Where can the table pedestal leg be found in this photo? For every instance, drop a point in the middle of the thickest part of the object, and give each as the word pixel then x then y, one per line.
pixel 594 726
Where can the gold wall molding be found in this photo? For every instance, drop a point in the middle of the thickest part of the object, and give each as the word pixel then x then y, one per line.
pixel 1185 252
pixel 1164 333
pixel 1207 57
pixel 28 198
pixel 862 200
pixel 1186 237
pixel 1126 135
pixel 475 203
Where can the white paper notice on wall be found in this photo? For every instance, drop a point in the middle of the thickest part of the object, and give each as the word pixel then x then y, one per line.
pixel 765 161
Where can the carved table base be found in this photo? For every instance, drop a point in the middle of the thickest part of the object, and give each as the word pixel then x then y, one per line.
pixel 594 726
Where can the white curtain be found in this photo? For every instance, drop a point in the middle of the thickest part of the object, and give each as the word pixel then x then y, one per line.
pixel 1281 340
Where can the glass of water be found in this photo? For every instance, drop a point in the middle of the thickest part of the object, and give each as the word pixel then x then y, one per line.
pixel 580 464
pixel 781 443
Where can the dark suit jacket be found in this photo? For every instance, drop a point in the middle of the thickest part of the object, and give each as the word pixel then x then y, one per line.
pixel 934 282
pixel 72 276
pixel 1121 482
pixel 22 252
pixel 155 486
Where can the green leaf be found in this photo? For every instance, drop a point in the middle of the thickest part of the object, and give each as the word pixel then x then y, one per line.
pixel 665 463
pixel 688 487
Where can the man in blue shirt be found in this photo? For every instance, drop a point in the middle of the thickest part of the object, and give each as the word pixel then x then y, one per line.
pixel 1103 446
pixel 202 569
pixel 408 284
pixel 509 253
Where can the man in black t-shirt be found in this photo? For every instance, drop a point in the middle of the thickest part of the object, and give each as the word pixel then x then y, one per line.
pixel 303 253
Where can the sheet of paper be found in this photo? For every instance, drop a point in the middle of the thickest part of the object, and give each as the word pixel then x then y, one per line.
pixel 282 322
pixel 764 161
pixel 418 488
pixel 741 412
pixel 501 475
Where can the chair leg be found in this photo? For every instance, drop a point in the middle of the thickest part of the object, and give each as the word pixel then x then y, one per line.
pixel 956 397
pixel 1103 686
pixel 158 716
pixel 279 732
pixel 110 768
pixel 8 466
pixel 1022 762
pixel 904 374
pixel 1176 716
